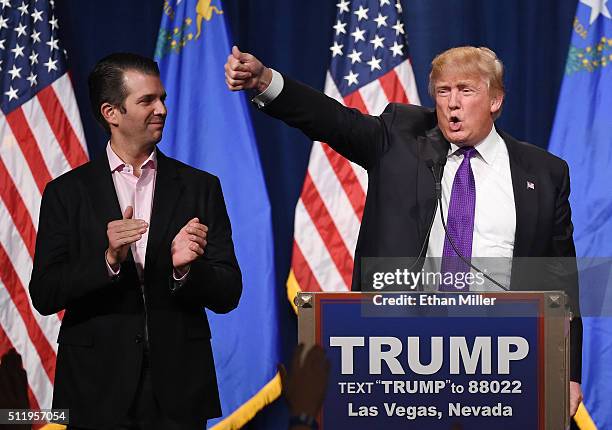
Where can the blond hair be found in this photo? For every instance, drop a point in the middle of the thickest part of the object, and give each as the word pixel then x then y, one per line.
pixel 470 61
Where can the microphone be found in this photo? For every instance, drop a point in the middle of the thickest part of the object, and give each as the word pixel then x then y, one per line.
pixel 430 165
pixel 436 168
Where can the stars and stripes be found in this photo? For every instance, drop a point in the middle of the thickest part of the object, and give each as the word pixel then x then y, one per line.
pixel 41 137
pixel 369 69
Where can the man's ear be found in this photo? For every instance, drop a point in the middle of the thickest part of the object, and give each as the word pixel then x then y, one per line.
pixel 109 113
pixel 496 102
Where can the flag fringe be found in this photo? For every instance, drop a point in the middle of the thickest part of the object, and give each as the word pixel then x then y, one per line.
pixel 270 392
pixel 583 419
pixel 293 288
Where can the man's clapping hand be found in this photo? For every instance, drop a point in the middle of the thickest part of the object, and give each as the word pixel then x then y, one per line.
pixel 121 234
pixel 188 244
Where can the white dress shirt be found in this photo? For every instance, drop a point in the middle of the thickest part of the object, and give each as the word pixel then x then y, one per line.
pixel 494 215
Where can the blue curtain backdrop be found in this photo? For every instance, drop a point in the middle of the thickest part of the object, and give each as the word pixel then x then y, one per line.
pixel 531 37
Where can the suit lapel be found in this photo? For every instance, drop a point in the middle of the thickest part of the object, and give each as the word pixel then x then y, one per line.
pixel 435 145
pixel 104 201
pixel 168 190
pixel 432 147
pixel 525 188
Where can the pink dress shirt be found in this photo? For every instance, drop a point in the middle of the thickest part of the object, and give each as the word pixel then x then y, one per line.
pixel 136 192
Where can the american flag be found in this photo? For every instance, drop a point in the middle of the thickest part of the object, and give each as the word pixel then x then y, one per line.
pixel 41 137
pixel 370 68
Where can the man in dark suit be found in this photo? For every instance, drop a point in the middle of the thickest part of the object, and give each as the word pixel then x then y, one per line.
pixel 134 245
pixel 522 209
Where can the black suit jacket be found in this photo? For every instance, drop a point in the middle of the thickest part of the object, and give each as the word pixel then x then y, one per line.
pixel 395 148
pixel 101 337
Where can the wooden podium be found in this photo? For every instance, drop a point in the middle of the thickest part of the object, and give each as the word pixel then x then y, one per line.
pixel 441 360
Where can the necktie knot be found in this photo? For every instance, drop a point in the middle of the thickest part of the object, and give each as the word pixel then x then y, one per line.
pixel 468 151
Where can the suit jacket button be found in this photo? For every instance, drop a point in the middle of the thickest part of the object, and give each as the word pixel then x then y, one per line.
pixel 138 338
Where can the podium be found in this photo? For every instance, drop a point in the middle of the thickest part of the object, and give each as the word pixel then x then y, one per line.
pixel 451 361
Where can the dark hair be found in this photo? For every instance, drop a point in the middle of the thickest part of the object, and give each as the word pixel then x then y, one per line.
pixel 106 83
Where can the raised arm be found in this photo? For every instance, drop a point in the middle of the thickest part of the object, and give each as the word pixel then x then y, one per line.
pixel 360 138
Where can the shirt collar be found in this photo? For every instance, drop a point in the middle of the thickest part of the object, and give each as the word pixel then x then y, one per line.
pixel 116 164
pixel 487 148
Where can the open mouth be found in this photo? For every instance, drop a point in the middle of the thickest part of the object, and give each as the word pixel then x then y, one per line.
pixel 454 123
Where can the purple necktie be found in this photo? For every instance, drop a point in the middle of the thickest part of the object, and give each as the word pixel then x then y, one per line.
pixel 460 220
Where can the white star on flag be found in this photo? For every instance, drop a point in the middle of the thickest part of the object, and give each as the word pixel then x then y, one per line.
pixel 398 6
pixel 362 13
pixel 336 49
pixel 33 58
pixel 2 43
pixel 597 7
pixel 15 72
pixel 3 22
pixel 398 27
pixel 37 15
pixel 35 36
pixel 5 3
pixel 374 63
pixel 32 79
pixel 358 34
pixel 355 56
pixel 50 65
pixel 343 6
pixel 20 30
pixel 11 93
pixel 352 78
pixel 396 49
pixel 384 2
pixel 53 22
pixel 339 27
pixel 18 51
pixel 380 20
pixel 377 41
pixel 23 8
pixel 52 44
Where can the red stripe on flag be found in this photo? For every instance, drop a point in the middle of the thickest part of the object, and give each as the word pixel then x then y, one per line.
pixel 62 129
pixel 347 178
pixel 324 223
pixel 20 299
pixel 392 87
pixel 301 270
pixel 29 147
pixel 17 209
pixel 354 100
pixel 5 343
